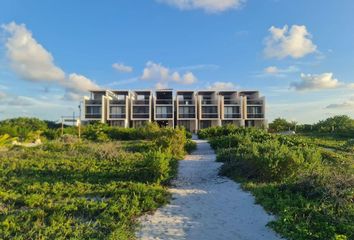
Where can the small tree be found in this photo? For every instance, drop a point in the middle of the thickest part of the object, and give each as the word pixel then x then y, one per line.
pixel 281 124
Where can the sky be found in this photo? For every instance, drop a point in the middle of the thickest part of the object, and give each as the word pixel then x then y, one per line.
pixel 298 53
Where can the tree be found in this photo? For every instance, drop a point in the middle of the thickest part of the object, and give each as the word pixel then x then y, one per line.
pixel 340 124
pixel 281 124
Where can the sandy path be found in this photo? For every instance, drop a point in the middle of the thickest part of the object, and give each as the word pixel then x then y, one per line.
pixel 206 206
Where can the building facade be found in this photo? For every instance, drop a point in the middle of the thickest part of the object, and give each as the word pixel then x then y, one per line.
pixel 193 110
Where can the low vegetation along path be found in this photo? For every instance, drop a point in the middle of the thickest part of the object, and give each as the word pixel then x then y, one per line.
pixel 206 206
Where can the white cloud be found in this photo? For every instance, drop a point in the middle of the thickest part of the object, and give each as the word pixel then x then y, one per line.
pixel 163 75
pixel 295 43
pixel 32 62
pixel 28 58
pixel 344 105
pixel 211 6
pixel 121 67
pixel 273 70
pixel 316 82
pixel 222 86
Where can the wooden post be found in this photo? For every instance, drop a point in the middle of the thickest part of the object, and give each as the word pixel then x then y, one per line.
pixel 62 126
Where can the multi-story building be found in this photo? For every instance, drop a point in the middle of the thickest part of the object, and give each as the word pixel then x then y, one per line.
pixel 118 108
pixel 208 109
pixel 164 107
pixel 231 108
pixel 95 106
pixel 186 110
pixel 141 108
pixel 254 109
pixel 190 109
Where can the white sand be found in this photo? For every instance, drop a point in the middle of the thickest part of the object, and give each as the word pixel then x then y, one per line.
pixel 206 206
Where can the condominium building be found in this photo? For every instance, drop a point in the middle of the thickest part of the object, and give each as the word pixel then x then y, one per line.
pixel 186 110
pixel 231 108
pixel 141 108
pixel 193 110
pixel 118 108
pixel 208 109
pixel 164 108
pixel 254 109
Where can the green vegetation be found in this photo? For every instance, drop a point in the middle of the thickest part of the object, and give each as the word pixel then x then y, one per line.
pixel 93 188
pixel 307 182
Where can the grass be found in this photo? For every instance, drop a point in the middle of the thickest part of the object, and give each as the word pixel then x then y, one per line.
pixel 85 190
pixel 307 182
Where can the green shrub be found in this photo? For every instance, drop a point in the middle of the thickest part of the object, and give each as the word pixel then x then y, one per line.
pixel 190 146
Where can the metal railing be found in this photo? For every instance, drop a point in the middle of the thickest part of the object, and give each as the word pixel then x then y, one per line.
pixel 117 116
pixel 93 102
pixel 210 115
pixel 232 102
pixel 232 115
pixel 117 102
pixel 141 115
pixel 141 102
pixel 255 115
pixel 186 102
pixel 93 116
pixel 164 115
pixel 186 115
pixel 254 102
pixel 164 101
pixel 209 102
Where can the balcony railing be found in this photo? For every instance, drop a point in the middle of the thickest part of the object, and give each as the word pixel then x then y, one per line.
pixel 254 102
pixel 93 116
pixel 164 101
pixel 117 116
pixel 93 102
pixel 210 115
pixel 209 102
pixel 164 115
pixel 255 115
pixel 117 102
pixel 141 115
pixel 232 115
pixel 141 102
pixel 231 102
pixel 186 115
pixel 186 102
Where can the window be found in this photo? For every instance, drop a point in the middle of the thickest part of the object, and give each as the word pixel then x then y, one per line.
pixel 117 110
pixel 93 110
pixel 254 110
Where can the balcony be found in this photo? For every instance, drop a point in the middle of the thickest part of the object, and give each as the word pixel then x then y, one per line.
pixel 255 115
pixel 231 102
pixel 164 102
pixel 210 115
pixel 232 115
pixel 141 102
pixel 117 102
pixel 93 116
pixel 164 115
pixel 209 102
pixel 186 115
pixel 93 102
pixel 121 116
pixel 141 115
pixel 186 102
pixel 254 102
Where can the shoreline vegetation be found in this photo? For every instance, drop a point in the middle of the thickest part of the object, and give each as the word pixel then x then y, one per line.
pixel 93 188
pixel 307 181
pixel 97 186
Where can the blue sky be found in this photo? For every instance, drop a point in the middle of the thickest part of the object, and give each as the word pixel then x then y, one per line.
pixel 298 53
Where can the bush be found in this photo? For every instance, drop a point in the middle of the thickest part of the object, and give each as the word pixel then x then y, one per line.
pixel 307 184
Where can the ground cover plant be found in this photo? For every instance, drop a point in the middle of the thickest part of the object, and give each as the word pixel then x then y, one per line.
pixel 93 188
pixel 307 182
